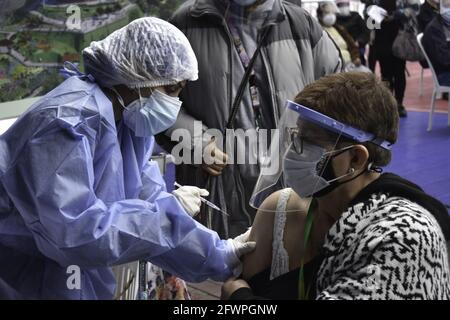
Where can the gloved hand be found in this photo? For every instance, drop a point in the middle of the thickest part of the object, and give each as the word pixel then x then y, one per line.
pixel 189 197
pixel 241 246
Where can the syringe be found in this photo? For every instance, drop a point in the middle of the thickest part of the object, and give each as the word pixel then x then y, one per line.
pixel 208 203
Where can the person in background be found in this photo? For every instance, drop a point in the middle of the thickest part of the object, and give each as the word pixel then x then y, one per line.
pixel 436 42
pixel 355 26
pixel 373 235
pixel 225 34
pixel 78 193
pixel 400 13
pixel 372 56
pixel 428 10
pixel 326 14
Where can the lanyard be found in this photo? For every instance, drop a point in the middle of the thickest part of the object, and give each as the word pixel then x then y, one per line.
pixel 248 64
pixel 302 295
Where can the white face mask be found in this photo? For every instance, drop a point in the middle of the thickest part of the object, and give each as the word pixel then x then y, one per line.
pixel 244 3
pixel 152 115
pixel 300 170
pixel 303 172
pixel 329 19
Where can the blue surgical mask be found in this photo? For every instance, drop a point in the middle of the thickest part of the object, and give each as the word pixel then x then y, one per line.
pixel 152 115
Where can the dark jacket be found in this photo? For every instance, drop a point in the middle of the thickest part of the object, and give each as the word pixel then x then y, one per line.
pixel 356 26
pixel 426 14
pixel 436 45
pixel 397 19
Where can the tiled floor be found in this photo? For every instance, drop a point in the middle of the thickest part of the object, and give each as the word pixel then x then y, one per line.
pixel 413 100
pixel 208 290
pixel 419 155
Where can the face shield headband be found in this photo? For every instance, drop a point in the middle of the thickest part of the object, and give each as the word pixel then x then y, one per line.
pixel 337 127
pixel 307 167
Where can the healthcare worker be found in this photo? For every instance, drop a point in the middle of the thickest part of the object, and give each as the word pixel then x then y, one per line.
pixel 77 191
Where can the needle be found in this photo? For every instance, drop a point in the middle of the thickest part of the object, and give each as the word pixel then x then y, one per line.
pixel 208 203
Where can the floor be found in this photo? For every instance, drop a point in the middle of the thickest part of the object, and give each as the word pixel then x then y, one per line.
pixel 421 156
pixel 208 290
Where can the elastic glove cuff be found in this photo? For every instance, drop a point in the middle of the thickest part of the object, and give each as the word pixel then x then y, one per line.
pixel 233 260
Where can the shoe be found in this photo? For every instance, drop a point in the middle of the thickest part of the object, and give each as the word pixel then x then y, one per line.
pixel 402 112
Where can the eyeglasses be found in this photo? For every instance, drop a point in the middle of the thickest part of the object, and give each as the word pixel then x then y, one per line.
pixel 297 136
pixel 294 139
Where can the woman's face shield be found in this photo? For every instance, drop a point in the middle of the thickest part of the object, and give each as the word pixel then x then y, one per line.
pixel 299 152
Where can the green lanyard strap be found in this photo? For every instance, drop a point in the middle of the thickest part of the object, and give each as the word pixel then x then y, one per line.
pixel 302 295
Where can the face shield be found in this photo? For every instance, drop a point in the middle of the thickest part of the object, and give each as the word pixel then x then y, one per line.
pixel 300 151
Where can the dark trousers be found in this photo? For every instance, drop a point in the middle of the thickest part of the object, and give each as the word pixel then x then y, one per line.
pixel 444 78
pixel 372 59
pixel 393 72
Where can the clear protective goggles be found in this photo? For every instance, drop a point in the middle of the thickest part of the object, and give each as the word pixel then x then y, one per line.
pixel 299 153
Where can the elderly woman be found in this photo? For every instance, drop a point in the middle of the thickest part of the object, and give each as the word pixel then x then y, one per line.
pixel 366 235
pixel 347 45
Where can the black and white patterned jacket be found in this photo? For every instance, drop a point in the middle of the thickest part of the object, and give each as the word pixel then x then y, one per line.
pixel 385 247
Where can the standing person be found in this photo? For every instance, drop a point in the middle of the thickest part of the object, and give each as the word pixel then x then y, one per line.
pixel 355 26
pixel 77 191
pixel 225 35
pixel 400 13
pixel 428 10
pixel 372 56
pixel 348 48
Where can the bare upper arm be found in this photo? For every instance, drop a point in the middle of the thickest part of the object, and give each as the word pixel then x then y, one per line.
pixel 262 233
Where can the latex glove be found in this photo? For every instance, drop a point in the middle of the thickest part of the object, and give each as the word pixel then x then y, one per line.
pixel 241 246
pixel 242 238
pixel 189 197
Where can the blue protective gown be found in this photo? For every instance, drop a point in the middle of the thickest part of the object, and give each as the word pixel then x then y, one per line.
pixel 77 190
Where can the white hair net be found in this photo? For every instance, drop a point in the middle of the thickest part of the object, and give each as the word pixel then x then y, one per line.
pixel 148 52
